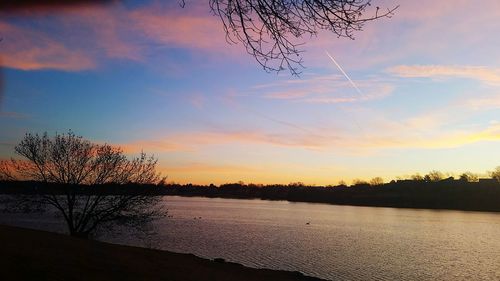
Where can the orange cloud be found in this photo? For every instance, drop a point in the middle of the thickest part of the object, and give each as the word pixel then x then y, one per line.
pixel 205 168
pixel 30 50
pixel 152 146
pixel 194 141
pixel 399 137
pixel 450 140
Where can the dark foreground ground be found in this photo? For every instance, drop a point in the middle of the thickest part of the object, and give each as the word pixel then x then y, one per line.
pixel 38 255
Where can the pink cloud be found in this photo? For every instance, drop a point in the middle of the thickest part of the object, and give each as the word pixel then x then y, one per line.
pixel 110 28
pixel 325 89
pixel 179 30
pixel 87 35
pixel 30 50
pixel 400 136
pixel 482 73
pixel 193 28
pixel 440 31
pixel 84 37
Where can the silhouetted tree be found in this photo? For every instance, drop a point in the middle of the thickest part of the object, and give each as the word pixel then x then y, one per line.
pixel 434 176
pixel 495 174
pixel 416 177
pixel 270 30
pixel 296 184
pixel 377 181
pixel 80 169
pixel 469 177
pixel 359 182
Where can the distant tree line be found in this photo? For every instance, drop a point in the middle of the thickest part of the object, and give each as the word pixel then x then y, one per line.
pixel 423 192
pixel 434 176
pixel 448 193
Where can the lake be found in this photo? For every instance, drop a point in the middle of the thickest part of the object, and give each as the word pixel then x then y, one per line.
pixel 327 241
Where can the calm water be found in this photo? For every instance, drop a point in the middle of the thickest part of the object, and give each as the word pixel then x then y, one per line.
pixel 332 242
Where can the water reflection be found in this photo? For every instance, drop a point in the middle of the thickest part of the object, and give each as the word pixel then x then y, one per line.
pixel 333 242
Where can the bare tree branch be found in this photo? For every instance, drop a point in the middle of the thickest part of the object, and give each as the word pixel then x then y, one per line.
pixel 270 29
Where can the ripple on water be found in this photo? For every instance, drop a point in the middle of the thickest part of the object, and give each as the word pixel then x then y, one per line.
pixel 339 243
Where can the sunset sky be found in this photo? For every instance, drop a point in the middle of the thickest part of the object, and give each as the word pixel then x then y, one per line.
pixel 156 77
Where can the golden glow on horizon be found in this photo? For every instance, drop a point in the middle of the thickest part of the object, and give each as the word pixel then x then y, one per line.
pixel 211 116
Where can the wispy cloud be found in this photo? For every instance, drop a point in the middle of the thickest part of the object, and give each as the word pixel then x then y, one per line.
pixel 444 32
pixel 27 49
pixel 489 101
pixel 179 28
pixel 330 89
pixel 376 93
pixel 456 139
pixel 198 167
pixel 481 73
pixel 197 140
pixel 89 36
pixel 164 145
pixel 401 137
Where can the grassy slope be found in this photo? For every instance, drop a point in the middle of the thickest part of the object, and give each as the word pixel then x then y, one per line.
pixel 38 255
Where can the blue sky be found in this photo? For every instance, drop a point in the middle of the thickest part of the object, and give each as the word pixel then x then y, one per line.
pixel 162 79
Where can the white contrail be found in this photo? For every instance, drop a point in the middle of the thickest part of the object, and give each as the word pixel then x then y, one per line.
pixel 352 83
pixel 343 72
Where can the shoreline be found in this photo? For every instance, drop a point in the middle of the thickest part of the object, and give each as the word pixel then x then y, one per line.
pixel 40 255
pixel 336 204
pixel 374 205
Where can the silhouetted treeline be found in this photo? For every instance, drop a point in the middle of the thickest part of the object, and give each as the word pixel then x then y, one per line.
pixel 445 194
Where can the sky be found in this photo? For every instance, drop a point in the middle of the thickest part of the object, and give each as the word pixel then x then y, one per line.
pixel 152 76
